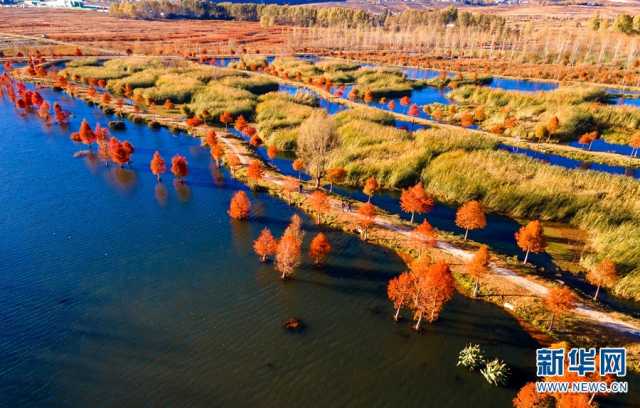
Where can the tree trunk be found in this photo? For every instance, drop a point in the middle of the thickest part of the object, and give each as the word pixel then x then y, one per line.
pixel 595 297
pixel 476 287
pixel 553 317
pixel 466 234
pixel 158 178
pixel 526 257
pixel 397 315
pixel 412 215
pixel 283 276
pixel 331 188
pixel 369 199
pixel 317 182
pixel 417 326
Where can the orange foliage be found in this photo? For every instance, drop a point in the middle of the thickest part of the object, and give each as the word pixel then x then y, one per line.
pixel 240 123
pixel 559 300
pixel 370 187
pixel 179 167
pixel 415 200
pixel 194 121
pixel 471 216
pixel 478 266
pixel 366 216
pixel 86 134
pixel 240 206
pixel 157 165
pixel 319 202
pixel 211 139
pixel 434 286
pixel 319 249
pixel 426 235
pixel 216 153
pixel 265 245
pixel 399 292
pixel 528 397
pixel 118 152
pixel 255 172
pixel 272 152
pixel 603 275
pixel 226 118
pixel 335 175
pixel 168 105
pixel 530 238
pixel 289 251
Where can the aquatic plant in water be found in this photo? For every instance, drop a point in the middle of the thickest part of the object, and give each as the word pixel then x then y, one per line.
pixel 496 372
pixel 470 357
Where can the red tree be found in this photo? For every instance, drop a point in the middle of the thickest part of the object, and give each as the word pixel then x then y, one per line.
pixel 399 291
pixel 319 202
pixel 478 266
pixel 319 249
pixel 415 200
pixel 255 172
pixel 366 216
pixel 179 167
pixel 530 238
pixel 289 251
pixel 470 216
pixel 157 165
pixel 559 301
pixel 603 275
pixel 370 187
pixel 266 245
pixel 240 206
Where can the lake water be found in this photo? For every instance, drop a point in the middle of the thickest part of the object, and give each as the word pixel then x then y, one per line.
pixel 119 291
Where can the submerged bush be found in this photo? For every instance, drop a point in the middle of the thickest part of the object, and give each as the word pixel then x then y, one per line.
pixel 496 372
pixel 471 357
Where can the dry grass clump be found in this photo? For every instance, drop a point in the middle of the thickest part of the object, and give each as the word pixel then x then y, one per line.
pixel 278 116
pixel 175 87
pixel 215 98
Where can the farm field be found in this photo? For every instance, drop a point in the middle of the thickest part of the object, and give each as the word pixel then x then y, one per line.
pixel 91 29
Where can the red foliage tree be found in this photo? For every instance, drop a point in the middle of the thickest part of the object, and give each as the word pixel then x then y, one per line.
pixel 211 139
pixel 530 238
pixel 289 251
pixel 240 123
pixel 179 167
pixel 471 216
pixel 366 216
pixel 266 245
pixel 319 202
pixel 425 235
pixel 603 275
pixel 298 165
pixel 86 134
pixel 319 249
pixel 157 165
pixel 272 152
pixel 240 206
pixel 255 172
pixel 400 291
pixel 226 118
pixel 370 187
pixel 416 200
pixel 478 266
pixel 559 301
pixel 434 286
pixel 335 175
pixel 217 152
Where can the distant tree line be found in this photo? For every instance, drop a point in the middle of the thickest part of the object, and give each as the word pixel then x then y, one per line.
pixel 623 23
pixel 304 16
